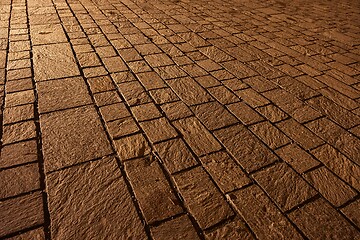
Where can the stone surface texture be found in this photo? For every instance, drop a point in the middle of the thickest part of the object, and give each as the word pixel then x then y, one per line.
pixel 178 119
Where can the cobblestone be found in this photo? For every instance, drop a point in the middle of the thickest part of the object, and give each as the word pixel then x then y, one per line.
pixel 174 119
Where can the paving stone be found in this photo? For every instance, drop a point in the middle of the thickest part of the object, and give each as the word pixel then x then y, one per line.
pixel 19 180
pixel 330 187
pixel 176 110
pixel 244 113
pixel 196 135
pixel 19 98
pixel 18 113
pixel 225 172
pixel 59 94
pixel 223 95
pixel 158 60
pixel 106 98
pixel 319 220
pixel 248 151
pixel 239 69
pixel 252 98
pixel 175 155
pixel 122 127
pixel 262 216
pixel 259 83
pixel 284 186
pixel 336 113
pixel 189 91
pixel 21 213
pixel 18 132
pixel 202 198
pixel 178 228
pixel 19 85
pixel 90 199
pixel 145 112
pixel 151 80
pixel 336 136
pixel 206 113
pixel 272 113
pixel 339 164
pixel 134 93
pixel 47 33
pixel 114 111
pixel 297 158
pixel 156 199
pixel 54 61
pixel 233 230
pixel 100 84
pixel 207 81
pixel 37 234
pixel 18 153
pixel 61 131
pixel 132 147
pixel 350 211
pixel 170 72
pixel 292 106
pixel 215 54
pixel 158 130
pixel 271 135
pixel 114 64
pixel 299 134
pixel 297 88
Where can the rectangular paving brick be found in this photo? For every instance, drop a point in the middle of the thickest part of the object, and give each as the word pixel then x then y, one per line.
pixel 213 115
pixel 299 134
pixel 72 136
pixel 248 151
pixel 189 91
pixel 60 94
pixel 175 155
pixel 18 132
pixel 284 186
pixel 202 198
pixel 347 143
pixel 18 153
pixel 224 170
pixel 21 213
pixel 235 229
pixel 340 115
pixel 54 61
pixel 318 220
pixel 270 134
pixel 19 98
pixel 351 212
pixel 239 69
pixel 262 216
pixel 47 33
pixel 339 164
pixel 196 135
pixel 19 180
pixel 330 186
pixel 18 113
pixel 297 158
pixel 152 190
pixel 158 130
pixel 96 195
pixel 292 106
pixel 132 146
pixel 178 228
pixel 244 113
pixel 223 95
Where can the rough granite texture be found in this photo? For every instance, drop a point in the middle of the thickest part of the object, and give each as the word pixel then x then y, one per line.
pixel 178 119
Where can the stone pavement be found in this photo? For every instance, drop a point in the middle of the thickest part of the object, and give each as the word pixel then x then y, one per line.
pixel 180 119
